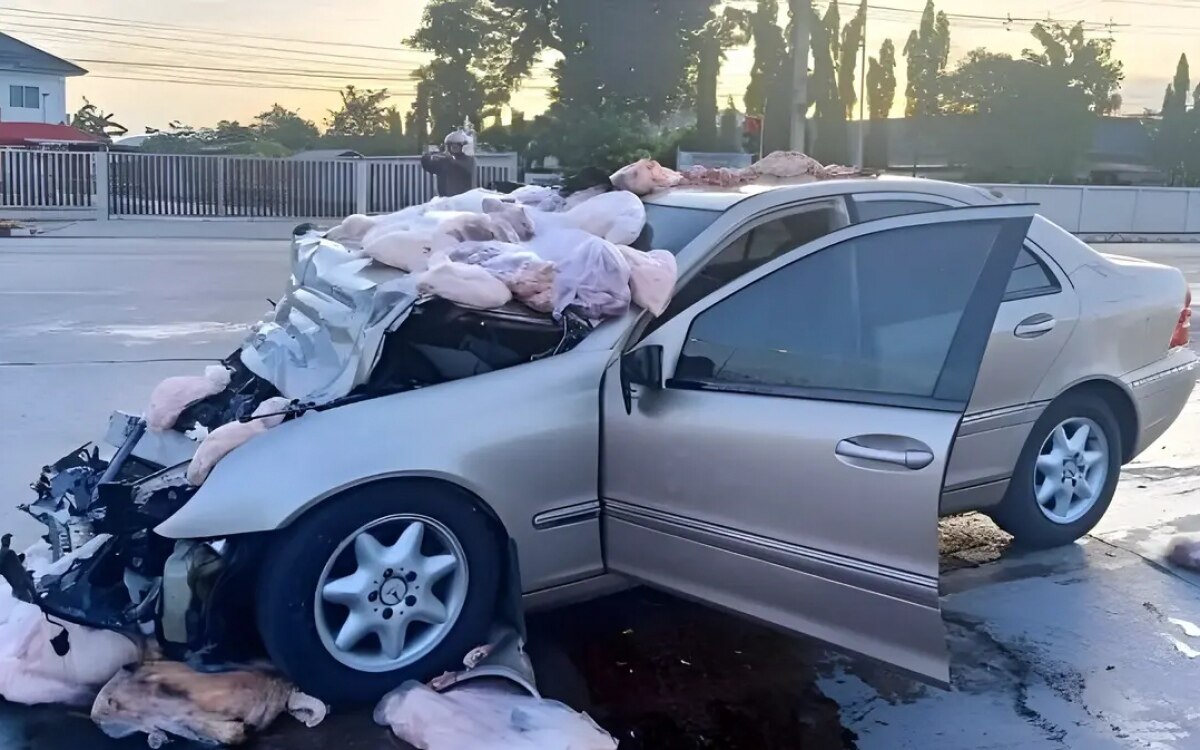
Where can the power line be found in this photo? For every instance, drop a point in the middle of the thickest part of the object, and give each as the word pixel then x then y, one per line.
pixel 141 35
pixel 75 38
pixel 224 51
pixel 128 22
pixel 216 83
pixel 251 71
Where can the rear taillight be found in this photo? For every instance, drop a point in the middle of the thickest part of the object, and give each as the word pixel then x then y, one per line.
pixel 1183 329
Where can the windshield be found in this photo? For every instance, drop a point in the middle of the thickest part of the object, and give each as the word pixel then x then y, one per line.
pixel 672 228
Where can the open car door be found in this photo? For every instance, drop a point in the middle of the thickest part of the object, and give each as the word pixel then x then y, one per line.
pixel 779 448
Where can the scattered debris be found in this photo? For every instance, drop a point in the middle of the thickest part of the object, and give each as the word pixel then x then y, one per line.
pixel 486 714
pixel 1185 553
pixel 164 698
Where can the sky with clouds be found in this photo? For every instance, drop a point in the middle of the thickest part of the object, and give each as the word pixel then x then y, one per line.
pixel 245 55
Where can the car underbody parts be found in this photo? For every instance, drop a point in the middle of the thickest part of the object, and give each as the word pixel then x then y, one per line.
pixel 187 579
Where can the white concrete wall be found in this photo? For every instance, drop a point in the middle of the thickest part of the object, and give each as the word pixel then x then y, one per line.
pixel 1091 210
pixel 56 103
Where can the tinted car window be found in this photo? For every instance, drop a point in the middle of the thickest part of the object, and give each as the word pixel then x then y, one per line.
pixel 875 314
pixel 1030 277
pixel 760 245
pixel 884 209
pixel 672 228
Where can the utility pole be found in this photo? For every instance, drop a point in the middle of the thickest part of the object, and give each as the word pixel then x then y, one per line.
pixel 801 17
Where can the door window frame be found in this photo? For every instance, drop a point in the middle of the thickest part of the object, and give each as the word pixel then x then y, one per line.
pixel 950 203
pixel 673 341
pixel 899 197
pixel 735 234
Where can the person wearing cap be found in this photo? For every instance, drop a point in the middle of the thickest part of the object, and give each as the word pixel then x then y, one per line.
pixel 452 166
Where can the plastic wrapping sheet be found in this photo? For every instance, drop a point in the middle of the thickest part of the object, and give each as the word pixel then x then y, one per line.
pixel 486 714
pixel 168 699
pixel 594 278
pixel 31 669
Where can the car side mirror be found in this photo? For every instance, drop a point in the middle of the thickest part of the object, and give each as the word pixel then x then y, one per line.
pixel 642 366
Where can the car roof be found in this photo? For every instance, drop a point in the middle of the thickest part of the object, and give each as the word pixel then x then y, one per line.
pixel 721 199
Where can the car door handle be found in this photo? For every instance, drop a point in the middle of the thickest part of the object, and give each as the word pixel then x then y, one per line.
pixel 1034 326
pixel 909 459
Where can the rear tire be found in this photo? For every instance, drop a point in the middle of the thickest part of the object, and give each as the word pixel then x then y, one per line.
pixel 1075 482
pixel 300 625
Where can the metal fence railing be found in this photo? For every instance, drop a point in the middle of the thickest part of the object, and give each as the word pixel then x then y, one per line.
pixel 47 179
pixel 395 183
pixel 123 184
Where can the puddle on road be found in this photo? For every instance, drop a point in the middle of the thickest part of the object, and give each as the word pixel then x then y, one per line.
pixel 662 674
pixel 658 673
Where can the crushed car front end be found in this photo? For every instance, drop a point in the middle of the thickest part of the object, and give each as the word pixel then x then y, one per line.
pixel 346 331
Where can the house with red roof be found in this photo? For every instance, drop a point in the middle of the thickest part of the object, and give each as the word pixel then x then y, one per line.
pixel 33 98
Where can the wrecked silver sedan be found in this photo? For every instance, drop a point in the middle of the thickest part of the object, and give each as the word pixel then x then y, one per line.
pixel 778 443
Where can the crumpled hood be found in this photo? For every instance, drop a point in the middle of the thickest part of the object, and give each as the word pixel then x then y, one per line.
pixel 325 335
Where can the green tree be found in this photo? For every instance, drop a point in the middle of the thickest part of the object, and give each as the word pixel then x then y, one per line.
pixel 581 136
pixel 928 53
pixel 416 122
pixel 362 113
pixel 460 36
pixel 227 137
pixel 726 29
pixel 881 82
pixel 881 97
pixel 1031 122
pixel 618 54
pixel 1088 64
pixel 829 113
pixel 450 94
pixel 91 119
pixel 1178 132
pixel 770 54
pixel 286 127
pixel 851 47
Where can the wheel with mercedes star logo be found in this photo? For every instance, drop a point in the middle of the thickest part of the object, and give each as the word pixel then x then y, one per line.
pixel 1066 475
pixel 389 582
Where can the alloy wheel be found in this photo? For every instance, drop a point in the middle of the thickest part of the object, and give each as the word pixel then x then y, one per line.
pixel 1071 470
pixel 391 592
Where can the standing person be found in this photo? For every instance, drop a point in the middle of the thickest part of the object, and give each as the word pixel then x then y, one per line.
pixel 452 166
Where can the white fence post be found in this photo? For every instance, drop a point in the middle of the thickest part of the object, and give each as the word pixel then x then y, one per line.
pixel 362 182
pixel 100 194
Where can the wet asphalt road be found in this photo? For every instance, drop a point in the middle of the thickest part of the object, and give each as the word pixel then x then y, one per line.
pixel 1072 648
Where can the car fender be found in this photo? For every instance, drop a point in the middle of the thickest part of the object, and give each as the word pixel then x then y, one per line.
pixel 525 440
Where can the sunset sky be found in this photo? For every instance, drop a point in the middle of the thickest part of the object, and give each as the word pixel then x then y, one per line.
pixel 244 55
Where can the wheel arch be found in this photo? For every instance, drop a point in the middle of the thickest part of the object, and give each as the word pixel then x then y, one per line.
pixel 407 479
pixel 1117 396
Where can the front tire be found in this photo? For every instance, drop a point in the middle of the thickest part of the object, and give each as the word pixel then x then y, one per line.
pixel 1066 474
pixel 393 581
